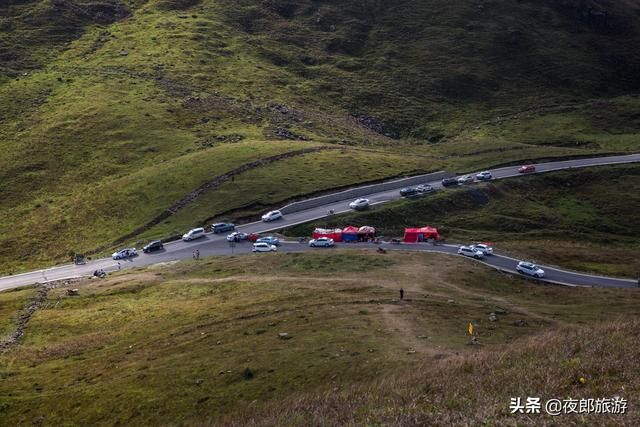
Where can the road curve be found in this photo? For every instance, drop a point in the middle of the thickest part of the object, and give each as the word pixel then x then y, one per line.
pixel 213 244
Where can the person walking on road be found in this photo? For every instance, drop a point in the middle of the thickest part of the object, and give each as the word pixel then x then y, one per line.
pixel 118 265
pixel 401 294
pixel 197 253
pixel 193 254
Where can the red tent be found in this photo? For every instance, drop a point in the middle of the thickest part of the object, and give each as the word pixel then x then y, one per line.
pixel 350 234
pixel 336 234
pixel 415 235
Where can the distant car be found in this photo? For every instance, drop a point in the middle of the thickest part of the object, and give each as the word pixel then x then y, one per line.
pixel 272 216
pixel 253 237
pixel 425 188
pixel 222 227
pixel 153 246
pixel 470 252
pixel 527 169
pixel 270 240
pixel 321 242
pixel 485 249
pixel 530 269
pixel 264 247
pixel 237 237
pixel 408 191
pixel 193 234
pixel 449 182
pixel 359 204
pixel 484 176
pixel 466 179
pixel 124 253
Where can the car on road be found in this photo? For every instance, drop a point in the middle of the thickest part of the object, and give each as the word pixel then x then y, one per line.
pixel 359 204
pixel 484 248
pixel 193 234
pixel 124 253
pixel 449 182
pixel 237 237
pixel 425 188
pixel 470 252
pixel 526 169
pixel 530 269
pixel 325 242
pixel 270 240
pixel 484 176
pixel 222 227
pixel 153 246
pixel 272 216
pixel 408 191
pixel 466 179
pixel 264 247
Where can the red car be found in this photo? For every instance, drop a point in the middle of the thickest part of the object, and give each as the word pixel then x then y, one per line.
pixel 527 169
pixel 253 237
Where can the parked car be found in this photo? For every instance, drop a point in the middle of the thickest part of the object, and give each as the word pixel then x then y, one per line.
pixel 264 247
pixel 222 227
pixel 408 191
pixel 237 237
pixel 466 179
pixel 124 253
pixel 359 204
pixel 470 252
pixel 321 242
pixel 153 246
pixel 425 188
pixel 449 182
pixel 272 216
pixel 484 176
pixel 271 240
pixel 485 249
pixel 527 169
pixel 253 237
pixel 530 269
pixel 193 234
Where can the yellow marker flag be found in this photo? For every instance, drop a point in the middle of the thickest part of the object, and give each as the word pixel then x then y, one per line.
pixel 470 328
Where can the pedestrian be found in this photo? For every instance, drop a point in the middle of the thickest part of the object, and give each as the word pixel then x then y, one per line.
pixel 193 254
pixel 197 253
pixel 118 265
pixel 401 294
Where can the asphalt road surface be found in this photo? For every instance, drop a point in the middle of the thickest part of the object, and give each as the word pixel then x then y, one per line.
pixel 213 244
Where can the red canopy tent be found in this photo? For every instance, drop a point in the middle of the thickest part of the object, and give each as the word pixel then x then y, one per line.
pixel 415 235
pixel 350 234
pixel 336 234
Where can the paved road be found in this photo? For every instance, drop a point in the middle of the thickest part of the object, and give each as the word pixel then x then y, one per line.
pixel 216 244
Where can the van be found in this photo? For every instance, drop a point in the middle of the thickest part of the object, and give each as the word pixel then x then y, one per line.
pixel 193 234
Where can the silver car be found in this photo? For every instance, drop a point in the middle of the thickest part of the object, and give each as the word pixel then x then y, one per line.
pixel 321 242
pixel 470 252
pixel 466 179
pixel 530 269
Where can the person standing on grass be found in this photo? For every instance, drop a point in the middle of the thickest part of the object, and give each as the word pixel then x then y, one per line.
pixel 401 294
pixel 193 254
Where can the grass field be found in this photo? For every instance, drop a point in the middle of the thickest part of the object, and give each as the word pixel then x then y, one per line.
pixel 582 219
pixel 111 111
pixel 196 341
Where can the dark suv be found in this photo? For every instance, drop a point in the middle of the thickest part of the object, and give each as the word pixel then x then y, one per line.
pixel 408 192
pixel 221 227
pixel 156 245
pixel 449 182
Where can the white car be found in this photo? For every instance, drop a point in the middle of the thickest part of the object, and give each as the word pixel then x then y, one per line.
pixel 193 234
pixel 484 176
pixel 470 252
pixel 125 253
pixel 272 216
pixel 425 188
pixel 467 179
pixel 485 249
pixel 359 204
pixel 237 237
pixel 530 269
pixel 264 247
pixel 321 241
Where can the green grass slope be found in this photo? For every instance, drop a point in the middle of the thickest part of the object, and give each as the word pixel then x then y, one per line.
pixel 194 342
pixel 105 103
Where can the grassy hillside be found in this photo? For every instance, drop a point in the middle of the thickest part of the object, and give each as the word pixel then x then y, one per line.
pixel 584 219
pixel 194 342
pixel 111 111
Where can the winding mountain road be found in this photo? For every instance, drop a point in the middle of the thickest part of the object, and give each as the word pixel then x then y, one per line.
pixel 213 244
